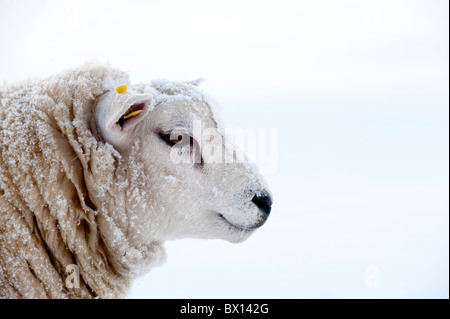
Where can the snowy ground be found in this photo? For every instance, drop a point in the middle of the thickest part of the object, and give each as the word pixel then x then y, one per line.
pixel 358 91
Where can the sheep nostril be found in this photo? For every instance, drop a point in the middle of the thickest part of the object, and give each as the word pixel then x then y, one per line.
pixel 264 202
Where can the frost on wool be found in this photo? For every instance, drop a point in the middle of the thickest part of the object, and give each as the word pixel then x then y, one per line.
pixel 47 221
pixel 165 91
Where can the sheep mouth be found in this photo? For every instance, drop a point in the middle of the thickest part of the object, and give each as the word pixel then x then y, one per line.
pixel 132 114
pixel 238 227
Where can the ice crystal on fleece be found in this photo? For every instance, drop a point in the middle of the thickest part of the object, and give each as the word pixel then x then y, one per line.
pixel 48 160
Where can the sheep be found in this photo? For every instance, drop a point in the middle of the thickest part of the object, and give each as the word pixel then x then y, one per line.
pixel 90 189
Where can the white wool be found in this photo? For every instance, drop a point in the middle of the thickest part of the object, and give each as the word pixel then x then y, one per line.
pixel 112 82
pixel 171 179
pixel 112 77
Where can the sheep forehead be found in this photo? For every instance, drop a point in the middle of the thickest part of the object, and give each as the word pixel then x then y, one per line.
pixel 185 111
pixel 177 88
pixel 181 99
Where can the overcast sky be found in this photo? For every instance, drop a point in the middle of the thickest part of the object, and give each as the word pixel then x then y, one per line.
pixel 358 93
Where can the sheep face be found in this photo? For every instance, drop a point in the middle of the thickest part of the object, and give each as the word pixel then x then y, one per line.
pixel 190 183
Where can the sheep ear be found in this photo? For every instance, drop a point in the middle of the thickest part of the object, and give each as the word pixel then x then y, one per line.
pixel 118 112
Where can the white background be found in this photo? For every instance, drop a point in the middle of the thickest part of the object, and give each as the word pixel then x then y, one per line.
pixel 358 91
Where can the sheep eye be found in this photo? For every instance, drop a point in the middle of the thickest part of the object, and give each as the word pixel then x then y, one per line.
pixel 185 140
pixel 171 138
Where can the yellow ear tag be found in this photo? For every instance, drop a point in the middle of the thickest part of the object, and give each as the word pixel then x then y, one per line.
pixel 133 114
pixel 121 89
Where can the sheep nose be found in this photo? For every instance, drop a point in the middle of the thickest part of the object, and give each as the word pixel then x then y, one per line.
pixel 263 201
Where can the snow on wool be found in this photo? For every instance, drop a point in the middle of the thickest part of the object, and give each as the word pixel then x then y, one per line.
pixel 87 179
